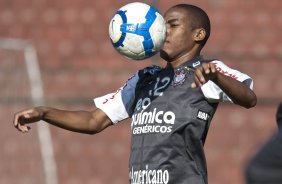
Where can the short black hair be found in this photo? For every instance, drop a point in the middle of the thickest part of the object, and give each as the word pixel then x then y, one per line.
pixel 199 19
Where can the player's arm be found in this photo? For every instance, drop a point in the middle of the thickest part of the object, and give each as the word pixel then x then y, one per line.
pixel 237 91
pixel 111 109
pixel 89 122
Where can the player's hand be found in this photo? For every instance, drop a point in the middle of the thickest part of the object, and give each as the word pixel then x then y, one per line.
pixel 204 73
pixel 22 118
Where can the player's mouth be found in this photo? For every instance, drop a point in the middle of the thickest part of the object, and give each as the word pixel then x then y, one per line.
pixel 166 42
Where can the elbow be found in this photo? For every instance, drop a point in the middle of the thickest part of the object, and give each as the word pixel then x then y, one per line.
pixel 248 101
pixel 88 132
pixel 95 128
pixel 252 102
pixel 91 132
pixel 94 131
pixel 98 124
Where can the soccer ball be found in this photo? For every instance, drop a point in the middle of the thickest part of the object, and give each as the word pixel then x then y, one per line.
pixel 137 31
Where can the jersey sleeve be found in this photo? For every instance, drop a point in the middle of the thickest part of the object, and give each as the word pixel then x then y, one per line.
pixel 118 105
pixel 214 93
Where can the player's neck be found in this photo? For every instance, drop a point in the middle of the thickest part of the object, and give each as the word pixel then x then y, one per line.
pixel 184 58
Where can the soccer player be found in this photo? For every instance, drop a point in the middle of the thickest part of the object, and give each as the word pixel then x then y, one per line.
pixel 266 165
pixel 171 107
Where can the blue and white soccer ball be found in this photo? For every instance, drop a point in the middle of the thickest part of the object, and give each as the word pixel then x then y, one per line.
pixel 137 31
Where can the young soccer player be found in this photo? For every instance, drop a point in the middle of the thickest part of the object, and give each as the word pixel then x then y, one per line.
pixel 171 107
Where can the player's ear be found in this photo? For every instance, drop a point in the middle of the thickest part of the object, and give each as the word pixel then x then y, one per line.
pixel 200 34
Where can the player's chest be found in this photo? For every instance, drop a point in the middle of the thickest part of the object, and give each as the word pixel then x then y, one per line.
pixel 165 89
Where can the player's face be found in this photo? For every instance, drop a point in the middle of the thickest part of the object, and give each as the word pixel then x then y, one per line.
pixel 180 39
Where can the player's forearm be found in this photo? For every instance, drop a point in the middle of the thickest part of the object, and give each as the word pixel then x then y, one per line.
pixel 77 121
pixel 238 92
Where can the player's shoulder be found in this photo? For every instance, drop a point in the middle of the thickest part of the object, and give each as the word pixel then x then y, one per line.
pixel 143 73
pixel 215 61
pixel 148 71
pixel 151 70
pixel 219 63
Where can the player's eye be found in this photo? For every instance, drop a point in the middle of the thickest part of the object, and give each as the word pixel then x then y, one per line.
pixel 172 25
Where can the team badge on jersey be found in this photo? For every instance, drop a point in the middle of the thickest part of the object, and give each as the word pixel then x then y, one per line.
pixel 180 76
